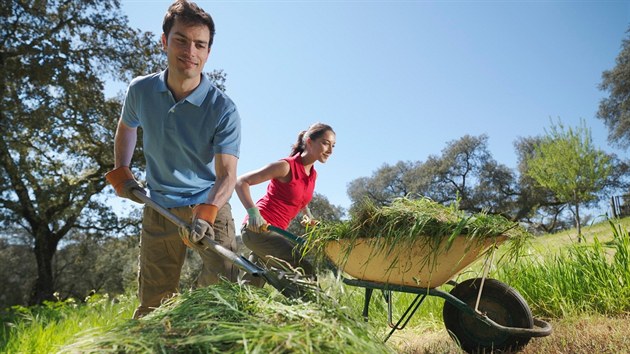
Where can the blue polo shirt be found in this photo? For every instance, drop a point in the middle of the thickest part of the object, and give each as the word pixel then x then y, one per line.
pixel 181 138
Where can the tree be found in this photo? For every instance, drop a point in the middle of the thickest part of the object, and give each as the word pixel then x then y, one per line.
pixel 566 162
pixel 386 183
pixel 94 264
pixel 615 109
pixel 497 190
pixel 536 206
pixel 18 269
pixel 56 125
pixel 465 171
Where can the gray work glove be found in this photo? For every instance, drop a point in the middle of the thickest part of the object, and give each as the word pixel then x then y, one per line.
pixel 200 226
pixel 193 236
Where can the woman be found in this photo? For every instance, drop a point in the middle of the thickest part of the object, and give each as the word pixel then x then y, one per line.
pixel 292 181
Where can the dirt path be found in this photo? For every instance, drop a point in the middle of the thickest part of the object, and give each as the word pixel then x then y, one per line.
pixel 587 335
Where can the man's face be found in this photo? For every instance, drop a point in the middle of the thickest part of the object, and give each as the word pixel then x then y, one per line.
pixel 187 49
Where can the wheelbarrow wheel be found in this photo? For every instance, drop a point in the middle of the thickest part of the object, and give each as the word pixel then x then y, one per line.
pixel 501 303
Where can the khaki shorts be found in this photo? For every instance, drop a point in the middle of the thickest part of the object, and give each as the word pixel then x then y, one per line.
pixel 162 255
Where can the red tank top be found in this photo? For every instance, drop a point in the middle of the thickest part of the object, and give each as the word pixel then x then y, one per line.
pixel 283 201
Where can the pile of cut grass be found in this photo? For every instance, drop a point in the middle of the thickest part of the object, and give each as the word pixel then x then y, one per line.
pixel 421 222
pixel 228 318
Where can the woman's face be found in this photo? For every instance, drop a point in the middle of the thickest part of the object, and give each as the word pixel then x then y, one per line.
pixel 322 147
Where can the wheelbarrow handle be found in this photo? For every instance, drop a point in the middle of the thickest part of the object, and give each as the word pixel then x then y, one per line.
pixel 212 245
pixel 284 233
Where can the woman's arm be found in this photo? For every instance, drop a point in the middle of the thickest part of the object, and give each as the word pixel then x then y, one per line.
pixel 279 170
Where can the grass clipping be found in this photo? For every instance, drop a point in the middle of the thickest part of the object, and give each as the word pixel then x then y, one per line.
pixel 228 318
pixel 422 223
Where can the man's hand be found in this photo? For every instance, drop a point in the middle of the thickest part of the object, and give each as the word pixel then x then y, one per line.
pixel 255 221
pixel 200 227
pixel 124 183
pixel 192 236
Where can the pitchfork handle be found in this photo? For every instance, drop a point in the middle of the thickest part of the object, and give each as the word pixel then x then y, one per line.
pixel 228 255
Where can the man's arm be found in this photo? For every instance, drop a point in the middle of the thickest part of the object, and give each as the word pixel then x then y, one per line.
pixel 121 177
pixel 205 214
pixel 124 144
pixel 225 167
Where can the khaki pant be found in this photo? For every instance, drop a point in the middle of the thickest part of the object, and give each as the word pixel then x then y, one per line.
pixel 268 246
pixel 162 255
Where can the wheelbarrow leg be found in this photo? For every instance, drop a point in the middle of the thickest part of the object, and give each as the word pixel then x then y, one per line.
pixel 366 303
pixel 413 307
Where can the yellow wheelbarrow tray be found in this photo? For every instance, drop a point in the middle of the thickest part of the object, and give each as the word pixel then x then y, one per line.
pixel 424 263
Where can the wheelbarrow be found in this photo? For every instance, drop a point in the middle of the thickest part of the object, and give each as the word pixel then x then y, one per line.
pixel 480 314
pixel 287 283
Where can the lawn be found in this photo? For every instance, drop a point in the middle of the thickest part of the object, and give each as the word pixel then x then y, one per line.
pixel 581 289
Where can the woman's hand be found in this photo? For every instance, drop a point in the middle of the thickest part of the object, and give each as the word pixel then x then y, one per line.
pixel 255 221
pixel 308 221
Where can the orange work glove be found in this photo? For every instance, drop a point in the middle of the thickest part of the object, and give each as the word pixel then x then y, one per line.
pixel 124 183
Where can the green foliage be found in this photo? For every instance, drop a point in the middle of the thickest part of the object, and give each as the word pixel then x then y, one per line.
pixel 537 206
pixel 589 278
pixel 96 265
pixel 465 171
pixel 44 328
pixel 566 162
pixel 614 110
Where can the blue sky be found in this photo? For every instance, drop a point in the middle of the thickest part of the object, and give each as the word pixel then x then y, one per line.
pixel 398 80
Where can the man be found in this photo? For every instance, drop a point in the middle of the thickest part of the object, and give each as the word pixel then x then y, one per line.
pixel 191 141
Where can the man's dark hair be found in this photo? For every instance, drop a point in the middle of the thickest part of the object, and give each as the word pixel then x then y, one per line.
pixel 188 13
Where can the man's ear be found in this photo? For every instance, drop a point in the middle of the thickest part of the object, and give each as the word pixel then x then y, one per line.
pixel 164 42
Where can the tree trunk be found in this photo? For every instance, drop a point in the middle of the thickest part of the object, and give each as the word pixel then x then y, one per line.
pixel 578 223
pixel 45 247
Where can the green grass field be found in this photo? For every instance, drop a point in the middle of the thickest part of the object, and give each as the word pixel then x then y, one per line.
pixel 562 281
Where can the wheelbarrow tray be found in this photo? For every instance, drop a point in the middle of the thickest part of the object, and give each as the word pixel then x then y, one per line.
pixel 425 263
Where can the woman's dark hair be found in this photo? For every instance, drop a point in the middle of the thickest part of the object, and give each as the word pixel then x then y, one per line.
pixel 189 13
pixel 314 132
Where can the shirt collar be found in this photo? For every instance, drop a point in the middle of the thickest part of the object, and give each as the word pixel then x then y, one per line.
pixel 197 96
